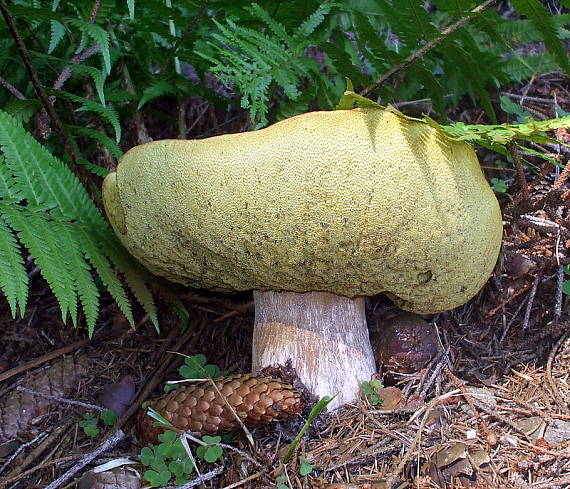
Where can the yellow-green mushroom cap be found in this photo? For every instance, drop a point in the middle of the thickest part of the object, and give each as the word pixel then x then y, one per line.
pixel 352 202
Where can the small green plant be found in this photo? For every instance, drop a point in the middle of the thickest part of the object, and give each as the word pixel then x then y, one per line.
pixel 90 423
pixel 499 185
pixel 211 452
pixel 306 467
pixel 282 482
pixel 169 461
pixel 369 391
pixel 195 367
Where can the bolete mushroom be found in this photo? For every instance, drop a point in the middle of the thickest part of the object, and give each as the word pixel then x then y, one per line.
pixel 314 213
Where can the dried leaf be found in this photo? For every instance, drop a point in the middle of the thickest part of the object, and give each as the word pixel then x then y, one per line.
pixel 119 395
pixel 449 455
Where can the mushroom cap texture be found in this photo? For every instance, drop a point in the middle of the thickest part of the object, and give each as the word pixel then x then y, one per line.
pixel 353 202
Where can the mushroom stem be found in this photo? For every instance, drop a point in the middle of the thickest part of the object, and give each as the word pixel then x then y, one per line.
pixel 324 335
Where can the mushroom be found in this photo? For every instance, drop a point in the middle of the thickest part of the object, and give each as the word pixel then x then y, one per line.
pixel 313 214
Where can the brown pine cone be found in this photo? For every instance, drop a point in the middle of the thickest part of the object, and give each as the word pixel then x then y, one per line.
pixel 198 407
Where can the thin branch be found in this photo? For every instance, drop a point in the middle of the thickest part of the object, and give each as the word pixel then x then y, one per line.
pixel 109 443
pixel 12 89
pixel 200 480
pixel 62 400
pixel 427 47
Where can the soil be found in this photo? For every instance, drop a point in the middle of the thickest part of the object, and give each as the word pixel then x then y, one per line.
pixel 489 410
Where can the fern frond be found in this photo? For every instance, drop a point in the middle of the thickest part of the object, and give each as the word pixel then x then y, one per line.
pixel 253 59
pixel 536 12
pixel 57 34
pixel 102 266
pixel 13 277
pixel 135 275
pixel 99 35
pixel 41 178
pixel 314 20
pixel 83 282
pixel 41 237
pixel 8 189
pixel 105 140
pixel 106 112
pixel 156 89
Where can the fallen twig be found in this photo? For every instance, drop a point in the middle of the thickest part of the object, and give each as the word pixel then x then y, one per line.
pixel 109 443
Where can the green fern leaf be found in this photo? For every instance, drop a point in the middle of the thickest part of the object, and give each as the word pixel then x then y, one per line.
pixel 13 277
pixel 82 278
pixel 134 274
pixel 97 75
pixel 106 112
pixel 46 182
pixel 90 245
pixel 543 21
pixel 313 21
pixel 8 189
pixel 57 34
pixel 156 89
pixel 99 35
pixel 105 140
pixel 40 236
pixel 262 14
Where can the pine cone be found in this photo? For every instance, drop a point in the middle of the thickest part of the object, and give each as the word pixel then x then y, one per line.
pixel 199 408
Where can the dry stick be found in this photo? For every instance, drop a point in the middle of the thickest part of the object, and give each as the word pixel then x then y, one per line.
pixel 20 449
pixel 62 400
pixel 199 480
pixel 44 358
pixel 156 378
pixel 12 89
pixel 34 455
pixel 34 470
pixel 428 47
pixel 40 90
pixel 530 302
pixel 109 443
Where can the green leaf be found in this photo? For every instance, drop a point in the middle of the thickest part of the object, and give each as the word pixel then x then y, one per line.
pixel 168 436
pixel 147 456
pixel 213 453
pixel 99 35
pixel 306 468
pixel 107 113
pixel 499 185
pixel 13 276
pixel 109 417
pixel 566 287
pixel 158 417
pixel 156 89
pixel 57 34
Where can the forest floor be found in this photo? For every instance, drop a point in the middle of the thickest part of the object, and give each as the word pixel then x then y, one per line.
pixel 490 410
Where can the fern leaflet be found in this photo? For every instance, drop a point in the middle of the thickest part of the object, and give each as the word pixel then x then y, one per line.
pixel 13 277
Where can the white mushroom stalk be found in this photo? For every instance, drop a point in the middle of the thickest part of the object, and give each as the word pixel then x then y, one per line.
pixel 323 335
